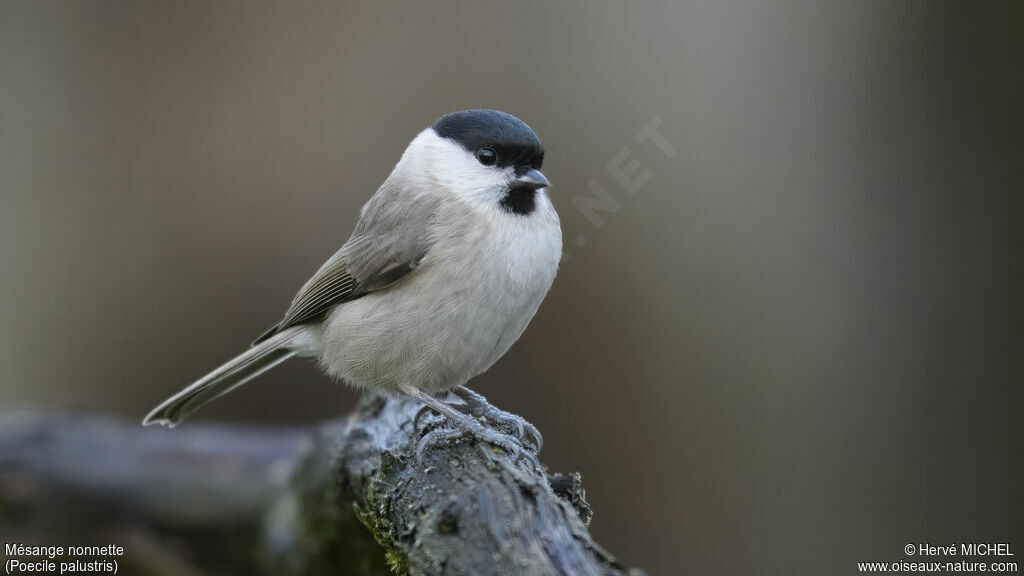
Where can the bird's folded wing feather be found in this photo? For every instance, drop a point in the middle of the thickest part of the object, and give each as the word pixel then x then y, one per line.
pixel 390 239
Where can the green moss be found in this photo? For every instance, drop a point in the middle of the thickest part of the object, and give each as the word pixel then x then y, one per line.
pixel 380 528
pixel 396 562
pixel 378 524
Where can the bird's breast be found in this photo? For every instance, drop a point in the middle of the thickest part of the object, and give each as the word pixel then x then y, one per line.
pixel 467 302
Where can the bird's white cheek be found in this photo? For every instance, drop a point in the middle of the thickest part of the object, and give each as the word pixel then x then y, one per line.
pixel 448 166
pixel 475 183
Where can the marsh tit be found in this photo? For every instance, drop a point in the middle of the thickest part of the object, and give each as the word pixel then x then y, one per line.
pixel 449 261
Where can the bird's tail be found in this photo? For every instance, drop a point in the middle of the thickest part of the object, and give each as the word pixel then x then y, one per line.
pixel 237 371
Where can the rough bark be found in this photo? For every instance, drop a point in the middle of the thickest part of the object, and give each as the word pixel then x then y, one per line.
pixel 349 497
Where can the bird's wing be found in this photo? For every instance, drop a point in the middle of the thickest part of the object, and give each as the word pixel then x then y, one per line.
pixel 390 239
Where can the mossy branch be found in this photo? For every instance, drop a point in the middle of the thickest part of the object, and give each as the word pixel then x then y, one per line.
pixel 350 497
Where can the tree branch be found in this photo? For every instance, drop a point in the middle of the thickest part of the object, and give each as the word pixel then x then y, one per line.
pixel 215 499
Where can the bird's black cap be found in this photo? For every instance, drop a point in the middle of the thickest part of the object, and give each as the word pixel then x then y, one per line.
pixel 510 137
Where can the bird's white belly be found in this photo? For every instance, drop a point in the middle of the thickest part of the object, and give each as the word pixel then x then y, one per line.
pixel 450 319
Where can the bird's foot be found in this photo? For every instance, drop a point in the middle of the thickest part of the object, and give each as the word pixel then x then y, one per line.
pixel 465 420
pixel 427 420
pixel 477 406
pixel 469 427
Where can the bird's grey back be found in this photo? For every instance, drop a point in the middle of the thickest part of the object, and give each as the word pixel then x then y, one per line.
pixel 391 237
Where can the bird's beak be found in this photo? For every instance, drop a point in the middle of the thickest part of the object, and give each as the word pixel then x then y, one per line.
pixel 532 179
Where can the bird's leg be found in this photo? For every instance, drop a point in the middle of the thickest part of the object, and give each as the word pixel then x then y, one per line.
pixel 464 424
pixel 478 406
pixel 427 420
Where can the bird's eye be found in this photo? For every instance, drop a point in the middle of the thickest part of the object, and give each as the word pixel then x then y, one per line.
pixel 487 156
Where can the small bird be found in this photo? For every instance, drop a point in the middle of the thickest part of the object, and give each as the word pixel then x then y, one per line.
pixel 447 265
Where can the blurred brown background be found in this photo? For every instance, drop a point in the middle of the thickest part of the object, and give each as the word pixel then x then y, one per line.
pixel 793 349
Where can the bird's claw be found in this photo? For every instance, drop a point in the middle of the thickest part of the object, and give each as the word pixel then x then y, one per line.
pixel 431 420
pixel 469 427
pixel 477 406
